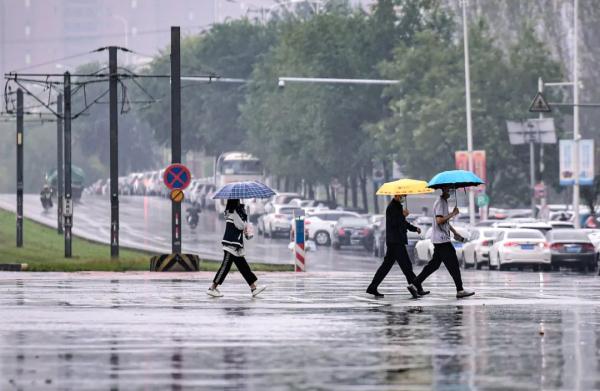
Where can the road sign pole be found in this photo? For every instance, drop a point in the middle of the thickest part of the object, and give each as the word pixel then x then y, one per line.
pixel 59 163
pixel 68 209
pixel 541 117
pixel 532 175
pixel 299 248
pixel 175 131
pixel 114 153
pixel 576 135
pixel 19 168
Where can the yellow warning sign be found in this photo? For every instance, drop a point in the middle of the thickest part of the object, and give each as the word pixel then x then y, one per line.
pixel 177 195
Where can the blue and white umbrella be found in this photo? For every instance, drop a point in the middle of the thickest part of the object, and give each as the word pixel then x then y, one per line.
pixel 244 190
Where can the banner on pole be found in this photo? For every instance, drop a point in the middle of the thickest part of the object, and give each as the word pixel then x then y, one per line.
pixel 567 162
pixel 479 165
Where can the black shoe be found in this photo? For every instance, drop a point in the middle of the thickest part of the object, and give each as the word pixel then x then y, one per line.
pixel 421 292
pixel 413 291
pixel 374 292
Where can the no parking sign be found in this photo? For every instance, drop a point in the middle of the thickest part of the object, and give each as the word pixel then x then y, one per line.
pixel 177 176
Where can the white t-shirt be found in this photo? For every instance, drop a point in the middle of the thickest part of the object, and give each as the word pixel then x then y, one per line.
pixel 440 233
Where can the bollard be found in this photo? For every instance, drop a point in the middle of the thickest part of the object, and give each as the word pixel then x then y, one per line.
pixel 299 253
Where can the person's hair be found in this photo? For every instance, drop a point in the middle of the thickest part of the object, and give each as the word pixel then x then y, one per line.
pixel 232 205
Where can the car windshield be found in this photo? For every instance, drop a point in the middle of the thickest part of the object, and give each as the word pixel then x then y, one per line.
pixel 490 234
pixel 570 235
pixel 529 234
pixel 354 221
pixel 287 211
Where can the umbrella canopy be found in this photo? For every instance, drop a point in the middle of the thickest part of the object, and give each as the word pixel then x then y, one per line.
pixel 241 190
pixel 454 179
pixel 404 187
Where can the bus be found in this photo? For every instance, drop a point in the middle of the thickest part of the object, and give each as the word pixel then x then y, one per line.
pixel 236 167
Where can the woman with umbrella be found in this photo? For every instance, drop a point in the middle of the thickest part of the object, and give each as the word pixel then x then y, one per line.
pixel 236 229
pixel 443 249
pixel 395 233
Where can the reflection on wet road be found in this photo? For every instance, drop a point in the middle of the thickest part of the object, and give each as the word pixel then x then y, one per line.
pixel 123 331
pixel 145 222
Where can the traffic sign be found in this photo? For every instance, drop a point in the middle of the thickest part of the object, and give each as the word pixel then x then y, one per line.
pixel 483 200
pixel 177 195
pixel 539 104
pixel 177 176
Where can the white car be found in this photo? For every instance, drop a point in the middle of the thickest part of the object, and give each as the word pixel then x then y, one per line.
pixel 520 247
pixel 424 247
pixel 278 222
pixel 476 252
pixel 319 225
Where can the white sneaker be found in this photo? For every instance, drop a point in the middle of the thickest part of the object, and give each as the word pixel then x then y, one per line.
pixel 256 291
pixel 214 292
pixel 463 293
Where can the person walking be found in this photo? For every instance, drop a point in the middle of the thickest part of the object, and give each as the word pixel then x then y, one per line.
pixel 443 249
pixel 233 249
pixel 396 241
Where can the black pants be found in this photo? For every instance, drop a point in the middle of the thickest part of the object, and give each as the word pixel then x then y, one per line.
pixel 240 263
pixel 443 252
pixel 395 253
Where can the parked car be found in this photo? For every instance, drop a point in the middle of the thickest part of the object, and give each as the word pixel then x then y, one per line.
pixel 561 224
pixel 538 225
pixel 476 252
pixel 518 248
pixel 277 222
pixel 424 247
pixel 320 224
pixel 352 231
pixel 572 248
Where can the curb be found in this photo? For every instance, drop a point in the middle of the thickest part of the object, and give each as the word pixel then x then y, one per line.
pixel 13 267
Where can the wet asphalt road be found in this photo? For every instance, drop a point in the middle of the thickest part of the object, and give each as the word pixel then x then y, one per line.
pixel 126 331
pixel 145 223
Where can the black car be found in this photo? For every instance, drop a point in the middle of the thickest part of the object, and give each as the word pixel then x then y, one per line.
pixel 352 231
pixel 572 248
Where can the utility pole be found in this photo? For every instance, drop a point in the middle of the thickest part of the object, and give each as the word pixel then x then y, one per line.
pixel 114 157
pixel 68 208
pixel 576 135
pixel 59 163
pixel 468 98
pixel 175 131
pixel 19 168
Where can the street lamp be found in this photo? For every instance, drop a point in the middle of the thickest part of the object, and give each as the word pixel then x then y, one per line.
pixel 468 98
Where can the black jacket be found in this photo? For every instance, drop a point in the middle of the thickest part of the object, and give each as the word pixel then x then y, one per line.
pixel 396 224
pixel 234 235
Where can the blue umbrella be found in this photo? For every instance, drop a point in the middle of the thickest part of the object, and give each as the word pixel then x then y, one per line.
pixel 241 190
pixel 454 179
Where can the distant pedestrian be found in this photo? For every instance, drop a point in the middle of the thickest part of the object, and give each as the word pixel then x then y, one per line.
pixel 233 248
pixel 396 241
pixel 443 249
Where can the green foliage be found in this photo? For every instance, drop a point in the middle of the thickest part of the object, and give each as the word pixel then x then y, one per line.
pixel 210 110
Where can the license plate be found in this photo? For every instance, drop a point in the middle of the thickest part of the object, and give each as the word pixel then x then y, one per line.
pixel 573 249
pixel 527 246
pixel 355 241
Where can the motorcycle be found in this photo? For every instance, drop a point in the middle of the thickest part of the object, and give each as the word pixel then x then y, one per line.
pixel 46 198
pixel 192 217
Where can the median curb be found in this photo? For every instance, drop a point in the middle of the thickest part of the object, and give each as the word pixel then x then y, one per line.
pixel 13 267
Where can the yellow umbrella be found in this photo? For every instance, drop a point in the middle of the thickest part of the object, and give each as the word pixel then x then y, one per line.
pixel 404 187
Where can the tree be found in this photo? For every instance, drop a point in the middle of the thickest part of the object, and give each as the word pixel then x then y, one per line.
pixel 427 122
pixel 210 111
